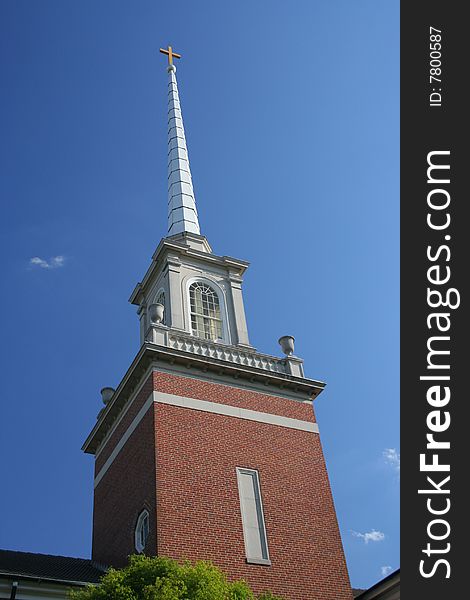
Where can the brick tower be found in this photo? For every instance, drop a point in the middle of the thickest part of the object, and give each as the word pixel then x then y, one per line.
pixel 209 449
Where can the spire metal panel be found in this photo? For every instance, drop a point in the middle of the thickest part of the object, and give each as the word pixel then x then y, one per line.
pixel 182 212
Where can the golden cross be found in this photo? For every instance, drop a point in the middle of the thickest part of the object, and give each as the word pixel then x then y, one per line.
pixel 171 54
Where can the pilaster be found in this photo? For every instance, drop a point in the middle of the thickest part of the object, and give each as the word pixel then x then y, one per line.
pixel 241 329
pixel 175 297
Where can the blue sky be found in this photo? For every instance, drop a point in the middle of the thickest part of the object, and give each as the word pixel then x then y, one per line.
pixel 292 119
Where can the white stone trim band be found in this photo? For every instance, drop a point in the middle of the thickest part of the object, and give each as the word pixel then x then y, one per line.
pixel 130 430
pixel 234 411
pixel 205 406
pixel 124 410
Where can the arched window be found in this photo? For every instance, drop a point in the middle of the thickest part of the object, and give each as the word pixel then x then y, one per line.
pixel 206 320
pixel 161 300
pixel 142 531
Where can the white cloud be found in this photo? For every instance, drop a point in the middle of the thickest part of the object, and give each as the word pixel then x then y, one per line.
pixel 392 458
pixel 385 570
pixel 369 536
pixel 53 263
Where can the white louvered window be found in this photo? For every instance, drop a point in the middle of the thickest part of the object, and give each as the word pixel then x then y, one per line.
pixel 206 321
pixel 254 531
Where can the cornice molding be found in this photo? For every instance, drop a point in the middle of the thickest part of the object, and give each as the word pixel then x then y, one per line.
pixel 187 364
pixel 167 246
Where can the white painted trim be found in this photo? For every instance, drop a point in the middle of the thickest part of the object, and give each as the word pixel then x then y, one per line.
pixel 34 588
pixel 222 302
pixel 235 411
pixel 130 430
pixel 140 522
pixel 123 412
pixel 262 532
pixel 215 380
pixel 205 406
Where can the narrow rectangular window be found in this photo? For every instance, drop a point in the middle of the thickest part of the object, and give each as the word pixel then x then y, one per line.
pixel 254 531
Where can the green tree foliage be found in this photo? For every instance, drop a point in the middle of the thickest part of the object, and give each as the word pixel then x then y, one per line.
pixel 160 578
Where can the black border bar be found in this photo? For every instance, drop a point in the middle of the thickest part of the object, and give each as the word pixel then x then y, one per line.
pixel 434 260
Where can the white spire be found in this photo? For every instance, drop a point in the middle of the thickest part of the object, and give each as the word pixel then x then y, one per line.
pixel 182 213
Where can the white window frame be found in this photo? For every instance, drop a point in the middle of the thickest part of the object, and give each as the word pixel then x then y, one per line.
pixel 257 560
pixel 144 515
pixel 222 304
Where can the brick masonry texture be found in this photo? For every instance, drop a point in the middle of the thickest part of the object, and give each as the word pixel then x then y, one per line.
pixel 126 489
pixel 131 412
pixel 215 392
pixel 181 464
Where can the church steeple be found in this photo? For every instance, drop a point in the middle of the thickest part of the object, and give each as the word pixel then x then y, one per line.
pixel 182 212
pixel 207 448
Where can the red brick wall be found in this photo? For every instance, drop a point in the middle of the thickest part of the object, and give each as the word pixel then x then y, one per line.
pixel 127 487
pixel 223 394
pixel 197 494
pixel 123 425
pixel 197 500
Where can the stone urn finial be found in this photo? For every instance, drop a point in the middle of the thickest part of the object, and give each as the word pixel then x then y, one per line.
pixel 287 344
pixel 156 312
pixel 107 394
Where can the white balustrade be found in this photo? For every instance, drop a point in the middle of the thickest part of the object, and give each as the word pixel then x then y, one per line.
pixel 220 351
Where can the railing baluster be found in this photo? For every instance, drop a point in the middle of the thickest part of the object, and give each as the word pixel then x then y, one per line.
pixel 189 343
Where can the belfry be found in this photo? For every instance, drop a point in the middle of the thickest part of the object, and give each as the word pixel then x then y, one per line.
pixel 207 448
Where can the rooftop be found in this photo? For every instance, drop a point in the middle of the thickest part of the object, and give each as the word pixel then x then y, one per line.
pixel 58 569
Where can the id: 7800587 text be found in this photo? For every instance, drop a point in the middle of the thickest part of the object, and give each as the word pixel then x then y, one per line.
pixel 435 64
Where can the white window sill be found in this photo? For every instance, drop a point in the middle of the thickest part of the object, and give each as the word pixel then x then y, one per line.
pixel 259 561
